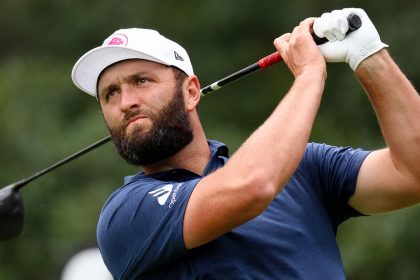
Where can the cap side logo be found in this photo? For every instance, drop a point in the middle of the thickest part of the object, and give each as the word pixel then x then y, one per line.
pixel 178 57
pixel 118 40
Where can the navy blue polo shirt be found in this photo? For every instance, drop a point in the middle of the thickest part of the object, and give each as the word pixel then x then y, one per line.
pixel 140 226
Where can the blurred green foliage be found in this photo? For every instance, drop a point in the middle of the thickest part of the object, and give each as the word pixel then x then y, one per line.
pixel 45 118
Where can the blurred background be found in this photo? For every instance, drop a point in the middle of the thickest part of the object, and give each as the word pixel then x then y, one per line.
pixel 45 118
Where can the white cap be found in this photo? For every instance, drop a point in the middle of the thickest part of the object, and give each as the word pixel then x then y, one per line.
pixel 123 44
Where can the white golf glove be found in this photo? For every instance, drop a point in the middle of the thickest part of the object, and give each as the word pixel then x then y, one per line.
pixel 352 48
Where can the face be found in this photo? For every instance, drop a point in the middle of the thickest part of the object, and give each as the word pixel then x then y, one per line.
pixel 145 112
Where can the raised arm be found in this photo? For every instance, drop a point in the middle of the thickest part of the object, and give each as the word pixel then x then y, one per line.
pixel 389 178
pixel 246 185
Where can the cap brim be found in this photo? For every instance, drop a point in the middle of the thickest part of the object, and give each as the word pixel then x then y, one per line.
pixel 87 69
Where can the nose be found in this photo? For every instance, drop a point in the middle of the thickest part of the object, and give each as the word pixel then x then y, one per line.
pixel 129 99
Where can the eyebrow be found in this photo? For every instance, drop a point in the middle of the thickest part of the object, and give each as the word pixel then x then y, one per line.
pixel 107 89
pixel 114 86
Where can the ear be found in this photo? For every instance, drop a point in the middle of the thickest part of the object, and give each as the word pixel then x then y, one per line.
pixel 192 92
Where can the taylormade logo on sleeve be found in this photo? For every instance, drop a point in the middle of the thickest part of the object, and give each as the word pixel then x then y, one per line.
pixel 162 194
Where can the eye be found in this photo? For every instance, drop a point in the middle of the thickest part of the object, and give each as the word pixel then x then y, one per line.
pixel 111 93
pixel 142 81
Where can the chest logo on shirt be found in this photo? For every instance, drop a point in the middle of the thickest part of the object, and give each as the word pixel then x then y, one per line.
pixel 164 192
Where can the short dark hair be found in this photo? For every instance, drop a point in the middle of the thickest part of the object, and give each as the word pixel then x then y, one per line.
pixel 179 76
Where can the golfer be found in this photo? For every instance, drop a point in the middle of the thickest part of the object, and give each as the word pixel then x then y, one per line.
pixel 272 210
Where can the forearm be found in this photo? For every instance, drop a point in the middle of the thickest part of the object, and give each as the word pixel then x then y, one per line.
pixel 276 147
pixel 397 105
pixel 283 136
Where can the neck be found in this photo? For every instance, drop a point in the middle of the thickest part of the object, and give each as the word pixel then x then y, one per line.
pixel 193 157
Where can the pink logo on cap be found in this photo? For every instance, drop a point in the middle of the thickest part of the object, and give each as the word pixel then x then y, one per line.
pixel 118 39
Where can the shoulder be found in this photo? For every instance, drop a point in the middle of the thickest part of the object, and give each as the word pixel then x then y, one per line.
pixel 145 192
pixel 322 151
pixel 145 215
pixel 332 163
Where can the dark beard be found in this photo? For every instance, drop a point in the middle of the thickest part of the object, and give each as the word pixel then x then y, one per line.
pixel 171 132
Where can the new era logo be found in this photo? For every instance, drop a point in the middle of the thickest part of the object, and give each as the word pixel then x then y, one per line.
pixel 162 193
pixel 178 57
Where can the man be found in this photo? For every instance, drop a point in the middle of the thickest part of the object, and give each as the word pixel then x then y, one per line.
pixel 272 210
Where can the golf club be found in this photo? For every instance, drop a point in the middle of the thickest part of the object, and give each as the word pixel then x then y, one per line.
pixel 354 23
pixel 11 205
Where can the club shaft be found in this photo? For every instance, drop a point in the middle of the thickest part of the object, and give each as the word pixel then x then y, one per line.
pixel 23 182
pixel 354 23
pixel 264 62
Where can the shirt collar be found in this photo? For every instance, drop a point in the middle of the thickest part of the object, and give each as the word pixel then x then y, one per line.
pixel 218 151
pixel 219 155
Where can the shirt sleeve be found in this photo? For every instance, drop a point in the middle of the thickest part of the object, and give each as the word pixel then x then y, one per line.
pixel 141 228
pixel 335 171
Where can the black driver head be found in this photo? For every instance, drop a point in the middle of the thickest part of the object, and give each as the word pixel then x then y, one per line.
pixel 11 213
